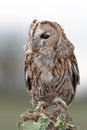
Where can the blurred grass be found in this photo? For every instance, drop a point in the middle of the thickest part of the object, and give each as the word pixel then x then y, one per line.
pixel 11 107
pixel 78 112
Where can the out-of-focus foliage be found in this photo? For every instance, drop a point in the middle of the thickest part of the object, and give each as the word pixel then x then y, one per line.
pixel 11 107
pixel 43 122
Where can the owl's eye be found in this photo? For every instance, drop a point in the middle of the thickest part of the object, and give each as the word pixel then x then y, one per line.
pixel 44 36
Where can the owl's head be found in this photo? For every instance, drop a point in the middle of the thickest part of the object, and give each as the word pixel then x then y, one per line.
pixel 45 36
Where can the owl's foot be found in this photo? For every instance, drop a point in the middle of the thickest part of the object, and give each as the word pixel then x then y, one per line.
pixel 41 106
pixel 58 100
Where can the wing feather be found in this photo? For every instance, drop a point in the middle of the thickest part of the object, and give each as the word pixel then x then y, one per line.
pixel 73 71
pixel 26 69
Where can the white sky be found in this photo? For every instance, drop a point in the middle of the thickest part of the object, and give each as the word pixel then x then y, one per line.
pixel 70 14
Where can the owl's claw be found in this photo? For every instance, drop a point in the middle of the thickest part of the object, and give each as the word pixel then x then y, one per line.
pixel 58 100
pixel 41 106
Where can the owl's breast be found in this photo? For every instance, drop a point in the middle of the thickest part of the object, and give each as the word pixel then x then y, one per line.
pixel 44 64
pixel 46 75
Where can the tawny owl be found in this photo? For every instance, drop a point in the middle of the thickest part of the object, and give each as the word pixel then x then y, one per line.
pixel 51 69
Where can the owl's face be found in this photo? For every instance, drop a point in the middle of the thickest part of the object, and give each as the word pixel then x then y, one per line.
pixel 43 36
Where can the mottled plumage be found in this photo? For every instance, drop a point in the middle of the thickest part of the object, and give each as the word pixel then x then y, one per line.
pixel 51 68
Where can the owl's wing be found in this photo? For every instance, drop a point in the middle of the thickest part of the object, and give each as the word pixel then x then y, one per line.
pixel 27 80
pixel 27 69
pixel 73 71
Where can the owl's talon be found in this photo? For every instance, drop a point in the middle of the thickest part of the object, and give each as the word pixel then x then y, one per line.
pixel 58 100
pixel 41 105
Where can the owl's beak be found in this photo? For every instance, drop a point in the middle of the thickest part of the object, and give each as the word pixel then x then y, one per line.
pixel 35 49
pixel 36 45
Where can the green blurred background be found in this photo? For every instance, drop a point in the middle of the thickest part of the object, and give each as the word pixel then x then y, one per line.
pixel 11 107
pixel 15 17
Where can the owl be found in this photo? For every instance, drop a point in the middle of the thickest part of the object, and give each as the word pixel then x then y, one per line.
pixel 51 70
